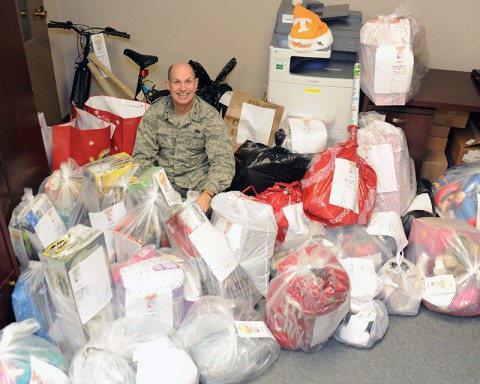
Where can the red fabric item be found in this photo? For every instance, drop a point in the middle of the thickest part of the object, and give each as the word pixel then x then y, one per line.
pixel 280 196
pixel 85 138
pixel 318 182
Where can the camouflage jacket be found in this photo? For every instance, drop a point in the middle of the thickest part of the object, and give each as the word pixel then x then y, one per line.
pixel 195 149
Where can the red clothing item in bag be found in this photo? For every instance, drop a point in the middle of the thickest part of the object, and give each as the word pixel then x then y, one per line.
pixel 339 186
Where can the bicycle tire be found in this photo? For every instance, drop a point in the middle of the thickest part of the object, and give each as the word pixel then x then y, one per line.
pixel 81 86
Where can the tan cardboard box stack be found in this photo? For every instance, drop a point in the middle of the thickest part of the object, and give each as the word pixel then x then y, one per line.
pixel 464 144
pixel 444 121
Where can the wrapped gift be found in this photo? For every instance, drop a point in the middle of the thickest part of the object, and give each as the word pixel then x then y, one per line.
pixel 447 253
pixel 78 275
pixel 308 298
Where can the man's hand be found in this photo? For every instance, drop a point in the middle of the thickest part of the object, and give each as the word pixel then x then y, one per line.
pixel 205 199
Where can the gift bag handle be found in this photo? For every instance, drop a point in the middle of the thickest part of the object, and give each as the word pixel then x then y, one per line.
pixel 265 95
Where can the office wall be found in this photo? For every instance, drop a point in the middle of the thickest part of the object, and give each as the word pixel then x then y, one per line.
pixel 213 31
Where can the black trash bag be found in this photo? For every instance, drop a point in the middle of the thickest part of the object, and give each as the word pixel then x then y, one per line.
pixel 212 90
pixel 423 187
pixel 261 166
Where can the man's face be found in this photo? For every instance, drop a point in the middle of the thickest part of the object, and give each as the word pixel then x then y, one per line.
pixel 182 85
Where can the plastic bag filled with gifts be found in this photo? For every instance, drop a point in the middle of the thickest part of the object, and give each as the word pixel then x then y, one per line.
pixel 251 229
pixel 261 166
pixel 79 279
pixel 228 341
pixel 394 56
pixel 339 186
pixel 286 201
pixel 22 247
pixel 364 325
pixel 26 358
pixel 402 286
pixel 191 233
pixel 131 350
pixel 447 254
pixel 152 288
pixel 422 205
pixel 385 149
pixel 308 298
pixel 40 220
pixel 31 299
pixel 63 187
pixel 456 193
pixel 142 225
pixel 124 114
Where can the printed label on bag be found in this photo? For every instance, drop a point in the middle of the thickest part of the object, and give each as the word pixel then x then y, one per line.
pixel 50 227
pixel 388 224
pixel 44 373
pixel 363 278
pixel 298 222
pixel 308 136
pixel 171 196
pixel 157 305
pixel 344 192
pixel 252 329
pixel 380 158
pixel 232 231
pixel 100 49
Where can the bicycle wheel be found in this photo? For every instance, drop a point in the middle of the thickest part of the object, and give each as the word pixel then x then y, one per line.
pixel 81 86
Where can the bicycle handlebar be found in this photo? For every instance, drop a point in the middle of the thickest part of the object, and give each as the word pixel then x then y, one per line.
pixel 87 30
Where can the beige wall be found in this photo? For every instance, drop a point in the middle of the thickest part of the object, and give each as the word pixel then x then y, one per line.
pixel 213 31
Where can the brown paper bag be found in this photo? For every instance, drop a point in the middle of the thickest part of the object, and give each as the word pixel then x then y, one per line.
pixel 232 116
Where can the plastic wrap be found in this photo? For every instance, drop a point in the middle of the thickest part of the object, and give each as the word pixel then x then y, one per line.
pixel 261 166
pixel 308 298
pixel 456 193
pixel 207 249
pixel 385 149
pixel 79 280
pixel 118 355
pixel 31 299
pixel 447 254
pixel 63 188
pixel 402 286
pixel 339 186
pixel 393 56
pixel 40 220
pixel 364 325
pixel 212 333
pixel 25 357
pixel 22 247
pixel 251 229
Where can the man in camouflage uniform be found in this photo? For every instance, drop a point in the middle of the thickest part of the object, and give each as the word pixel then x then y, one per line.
pixel 188 138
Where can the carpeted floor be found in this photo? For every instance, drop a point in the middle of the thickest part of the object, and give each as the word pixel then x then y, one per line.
pixel 428 348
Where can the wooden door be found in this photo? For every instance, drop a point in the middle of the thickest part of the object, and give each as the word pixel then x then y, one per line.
pixel 33 21
pixel 23 162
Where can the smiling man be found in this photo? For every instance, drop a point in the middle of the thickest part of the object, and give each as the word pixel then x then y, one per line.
pixel 188 138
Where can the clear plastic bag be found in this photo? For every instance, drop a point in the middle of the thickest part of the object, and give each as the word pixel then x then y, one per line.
pixel 308 298
pixel 384 147
pixel 24 355
pixel 393 56
pixel 222 355
pixel 31 299
pixel 63 187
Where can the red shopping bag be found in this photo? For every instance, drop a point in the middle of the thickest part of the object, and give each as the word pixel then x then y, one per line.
pixel 124 114
pixel 85 138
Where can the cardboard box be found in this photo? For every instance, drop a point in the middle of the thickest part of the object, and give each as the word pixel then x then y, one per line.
pixel 434 164
pixel 439 130
pixel 464 144
pixel 437 144
pixel 450 118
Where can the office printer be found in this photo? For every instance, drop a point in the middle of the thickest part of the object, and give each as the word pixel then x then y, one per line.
pixel 318 82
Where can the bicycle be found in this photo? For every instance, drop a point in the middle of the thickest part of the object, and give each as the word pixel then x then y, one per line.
pixel 83 65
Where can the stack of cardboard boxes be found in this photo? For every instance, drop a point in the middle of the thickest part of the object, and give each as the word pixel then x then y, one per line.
pixel 464 144
pixel 442 133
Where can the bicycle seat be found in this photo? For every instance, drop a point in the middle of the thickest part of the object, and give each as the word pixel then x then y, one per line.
pixel 143 61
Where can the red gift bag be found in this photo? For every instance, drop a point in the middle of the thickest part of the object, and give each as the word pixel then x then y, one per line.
pixel 85 138
pixel 124 114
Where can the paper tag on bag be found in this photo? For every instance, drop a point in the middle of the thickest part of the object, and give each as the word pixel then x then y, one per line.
pixel 252 329
pixel 100 49
pixel 380 158
pixel 255 124
pixel 308 136
pixel 344 192
pixel 171 196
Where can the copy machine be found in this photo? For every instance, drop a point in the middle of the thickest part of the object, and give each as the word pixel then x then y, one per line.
pixel 319 82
